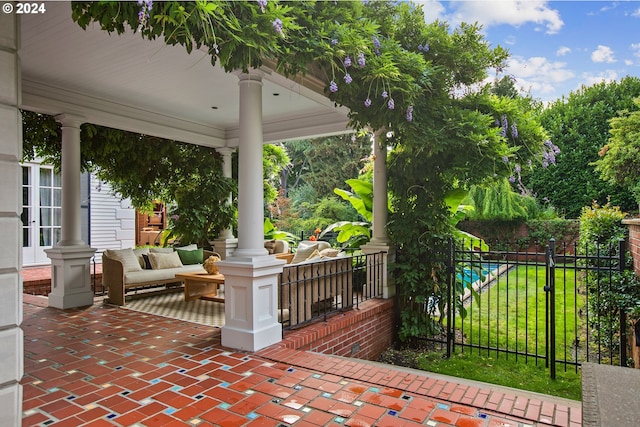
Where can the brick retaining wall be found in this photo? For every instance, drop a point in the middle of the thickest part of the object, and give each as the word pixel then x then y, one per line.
pixel 363 333
pixel 43 286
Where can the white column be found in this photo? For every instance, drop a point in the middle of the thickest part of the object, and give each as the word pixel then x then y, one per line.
pixel 251 275
pixel 380 197
pixel 71 256
pixel 250 180
pixel 379 240
pixel 71 232
pixel 226 243
pixel 11 336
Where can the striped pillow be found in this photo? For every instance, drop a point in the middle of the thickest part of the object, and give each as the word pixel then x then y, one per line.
pixel 303 253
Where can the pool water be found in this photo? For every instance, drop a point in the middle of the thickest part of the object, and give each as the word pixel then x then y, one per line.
pixel 479 271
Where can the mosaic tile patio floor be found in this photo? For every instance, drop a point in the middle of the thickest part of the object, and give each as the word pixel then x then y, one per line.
pixel 105 366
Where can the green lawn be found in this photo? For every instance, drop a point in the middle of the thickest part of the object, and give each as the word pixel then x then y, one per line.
pixel 505 372
pixel 510 315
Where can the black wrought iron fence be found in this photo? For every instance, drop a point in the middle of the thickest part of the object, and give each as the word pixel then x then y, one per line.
pixel 552 304
pixel 318 289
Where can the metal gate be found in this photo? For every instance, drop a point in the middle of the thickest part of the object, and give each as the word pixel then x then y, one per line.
pixel 552 304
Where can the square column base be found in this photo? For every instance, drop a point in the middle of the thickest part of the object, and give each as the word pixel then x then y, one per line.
pixel 251 302
pixel 225 247
pixel 70 276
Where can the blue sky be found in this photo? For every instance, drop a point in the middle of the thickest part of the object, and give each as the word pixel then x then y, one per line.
pixel 555 46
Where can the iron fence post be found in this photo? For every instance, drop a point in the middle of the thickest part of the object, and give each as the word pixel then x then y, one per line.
pixel 450 286
pixel 551 305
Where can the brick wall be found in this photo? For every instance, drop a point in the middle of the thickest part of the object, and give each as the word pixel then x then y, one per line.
pixel 43 286
pixel 634 241
pixel 363 333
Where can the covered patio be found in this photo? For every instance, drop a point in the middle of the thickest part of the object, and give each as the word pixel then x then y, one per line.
pixel 49 65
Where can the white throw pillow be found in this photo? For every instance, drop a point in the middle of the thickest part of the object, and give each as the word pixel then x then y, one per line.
pixel 304 252
pixel 128 259
pixel 162 261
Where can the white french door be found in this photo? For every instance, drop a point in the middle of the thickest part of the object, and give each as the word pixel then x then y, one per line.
pixel 41 212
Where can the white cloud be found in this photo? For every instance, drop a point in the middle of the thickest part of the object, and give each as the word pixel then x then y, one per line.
pixel 635 48
pixel 433 10
pixel 538 75
pixel 511 12
pixel 589 79
pixel 636 13
pixel 563 50
pixel 603 54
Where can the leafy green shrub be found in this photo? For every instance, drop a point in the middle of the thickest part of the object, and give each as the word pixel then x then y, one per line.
pixel 561 229
pixel 610 295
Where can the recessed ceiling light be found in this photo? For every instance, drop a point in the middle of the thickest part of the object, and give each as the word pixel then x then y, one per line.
pixel 214 108
pixel 276 94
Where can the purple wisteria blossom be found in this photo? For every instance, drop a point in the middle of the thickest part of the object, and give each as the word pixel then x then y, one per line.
pixel 333 87
pixel 353 138
pixel 145 9
pixel 361 61
pixel 410 113
pixel 367 102
pixel 334 42
pixel 514 130
pixel 347 61
pixel 505 159
pixel 512 179
pixel 277 26
pixel 262 4
pixel 391 104
pixel 376 45
pixel 505 125
pixel 347 78
pixel 423 48
pixel 549 151
pixel 517 168
pixel 385 94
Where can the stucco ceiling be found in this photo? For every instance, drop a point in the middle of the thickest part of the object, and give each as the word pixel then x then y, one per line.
pixel 146 86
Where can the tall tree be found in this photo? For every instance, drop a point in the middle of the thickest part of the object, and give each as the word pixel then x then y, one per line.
pixel 579 126
pixel 326 163
pixel 619 162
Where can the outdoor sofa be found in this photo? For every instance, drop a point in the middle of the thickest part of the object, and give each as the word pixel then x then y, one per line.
pixel 127 269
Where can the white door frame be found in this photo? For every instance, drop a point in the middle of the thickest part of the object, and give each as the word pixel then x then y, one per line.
pixel 41 212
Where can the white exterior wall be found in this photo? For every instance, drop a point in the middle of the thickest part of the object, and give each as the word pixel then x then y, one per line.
pixel 11 336
pixel 112 219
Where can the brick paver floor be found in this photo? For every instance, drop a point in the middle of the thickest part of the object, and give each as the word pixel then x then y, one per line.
pixel 108 366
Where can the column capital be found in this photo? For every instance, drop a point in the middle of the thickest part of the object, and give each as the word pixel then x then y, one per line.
pixel 70 120
pixel 252 75
pixel 226 151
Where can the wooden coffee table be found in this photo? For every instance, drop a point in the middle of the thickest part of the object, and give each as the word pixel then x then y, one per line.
pixel 201 286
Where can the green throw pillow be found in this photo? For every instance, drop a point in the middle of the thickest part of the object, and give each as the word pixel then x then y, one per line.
pixel 191 257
